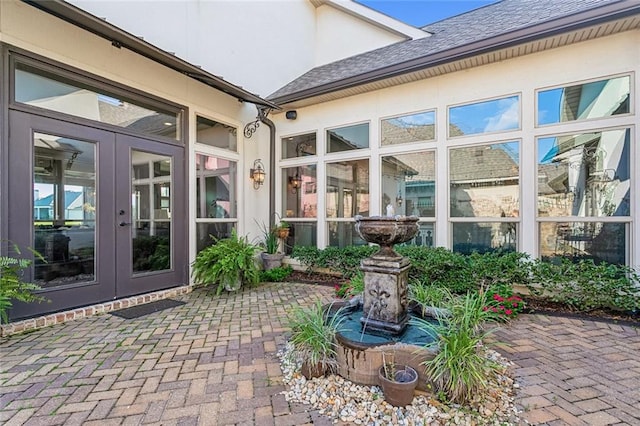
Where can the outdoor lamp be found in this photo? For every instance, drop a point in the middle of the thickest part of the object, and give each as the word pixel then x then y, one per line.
pixel 257 173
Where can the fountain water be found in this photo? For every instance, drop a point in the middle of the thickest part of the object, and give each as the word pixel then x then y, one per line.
pixel 378 323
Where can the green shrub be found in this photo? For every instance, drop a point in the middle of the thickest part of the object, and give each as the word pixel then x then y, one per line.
pixel 308 256
pixel 500 268
pixel 585 285
pixel 278 274
pixel 440 267
pixel 227 263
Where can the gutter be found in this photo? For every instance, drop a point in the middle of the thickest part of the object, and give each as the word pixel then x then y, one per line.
pixel 120 38
pixel 609 12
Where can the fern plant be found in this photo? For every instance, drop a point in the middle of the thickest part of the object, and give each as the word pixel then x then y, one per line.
pixel 12 286
pixel 229 263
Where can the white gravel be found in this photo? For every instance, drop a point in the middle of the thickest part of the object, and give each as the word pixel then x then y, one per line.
pixel 342 400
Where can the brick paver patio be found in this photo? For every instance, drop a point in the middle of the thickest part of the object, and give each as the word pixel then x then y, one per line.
pixel 213 361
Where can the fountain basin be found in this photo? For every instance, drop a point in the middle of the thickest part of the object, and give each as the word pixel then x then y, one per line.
pixel 360 355
pixel 386 231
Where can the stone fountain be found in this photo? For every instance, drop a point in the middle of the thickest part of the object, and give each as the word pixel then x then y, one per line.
pixel 379 322
pixel 385 273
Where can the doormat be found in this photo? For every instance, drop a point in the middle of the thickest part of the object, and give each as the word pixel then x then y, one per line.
pixel 146 309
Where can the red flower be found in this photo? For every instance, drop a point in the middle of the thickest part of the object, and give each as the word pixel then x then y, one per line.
pixel 508 312
pixel 515 305
pixel 498 298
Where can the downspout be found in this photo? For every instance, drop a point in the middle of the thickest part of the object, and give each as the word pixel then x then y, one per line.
pixel 249 130
pixel 262 116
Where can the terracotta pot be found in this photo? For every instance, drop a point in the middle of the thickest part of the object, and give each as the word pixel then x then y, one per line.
pixel 283 233
pixel 399 392
pixel 311 371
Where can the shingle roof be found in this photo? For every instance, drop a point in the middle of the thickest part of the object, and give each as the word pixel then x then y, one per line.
pixel 485 23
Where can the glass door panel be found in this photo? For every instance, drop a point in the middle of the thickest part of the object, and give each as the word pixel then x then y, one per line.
pixel 64 209
pixel 151 251
pixel 151 212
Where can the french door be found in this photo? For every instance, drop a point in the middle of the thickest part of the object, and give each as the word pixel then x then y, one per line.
pixel 105 211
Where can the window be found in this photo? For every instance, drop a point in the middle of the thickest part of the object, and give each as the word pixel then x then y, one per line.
pixel 300 204
pixel 408 128
pixel 348 138
pixel 216 198
pixel 585 175
pixel 299 146
pixel 216 134
pixel 44 89
pixel 408 184
pixel 598 99
pixel 485 117
pixel 347 196
pixel 484 182
pixel 581 178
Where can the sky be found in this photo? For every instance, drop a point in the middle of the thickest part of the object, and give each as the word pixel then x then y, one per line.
pixel 421 12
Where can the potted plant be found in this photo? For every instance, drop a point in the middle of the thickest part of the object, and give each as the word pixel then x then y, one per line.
pixel 270 257
pixel 12 286
pixel 282 229
pixel 313 331
pixel 398 382
pixel 228 263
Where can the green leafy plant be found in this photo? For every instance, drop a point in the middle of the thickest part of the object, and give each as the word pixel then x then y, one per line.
pixel 460 369
pixel 12 286
pixel 270 240
pixel 352 287
pixel 585 285
pixel 426 296
pixel 278 274
pixel 313 330
pixel 440 267
pixel 228 263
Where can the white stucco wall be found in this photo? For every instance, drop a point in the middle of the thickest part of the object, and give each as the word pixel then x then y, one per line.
pixel 259 44
pixel 27 28
pixel 592 60
pixel 339 35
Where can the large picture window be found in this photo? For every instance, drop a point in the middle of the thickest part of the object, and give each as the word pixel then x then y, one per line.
pixel 409 128
pixel 300 205
pixel 585 175
pixel 348 138
pixel 216 134
pixel 496 115
pixel 45 89
pixel 597 99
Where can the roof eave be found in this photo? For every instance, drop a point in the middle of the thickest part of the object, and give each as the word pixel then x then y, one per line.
pixel 610 12
pixel 120 38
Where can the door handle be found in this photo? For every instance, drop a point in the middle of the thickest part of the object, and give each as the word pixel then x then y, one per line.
pixel 124 223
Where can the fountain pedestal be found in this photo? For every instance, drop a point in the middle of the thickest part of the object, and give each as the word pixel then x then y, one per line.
pixel 385 273
pixel 385 295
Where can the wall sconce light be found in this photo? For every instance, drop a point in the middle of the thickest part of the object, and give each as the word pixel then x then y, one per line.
pixel 399 199
pixel 257 174
pixel 295 182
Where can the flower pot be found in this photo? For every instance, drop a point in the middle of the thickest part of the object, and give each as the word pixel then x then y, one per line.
pixel 399 392
pixel 312 370
pixel 282 233
pixel 270 261
pixel 233 283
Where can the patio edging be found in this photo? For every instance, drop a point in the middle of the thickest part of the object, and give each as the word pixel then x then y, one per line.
pixel 36 323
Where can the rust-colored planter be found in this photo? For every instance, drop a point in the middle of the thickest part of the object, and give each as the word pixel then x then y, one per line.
pixel 399 392
pixel 282 233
